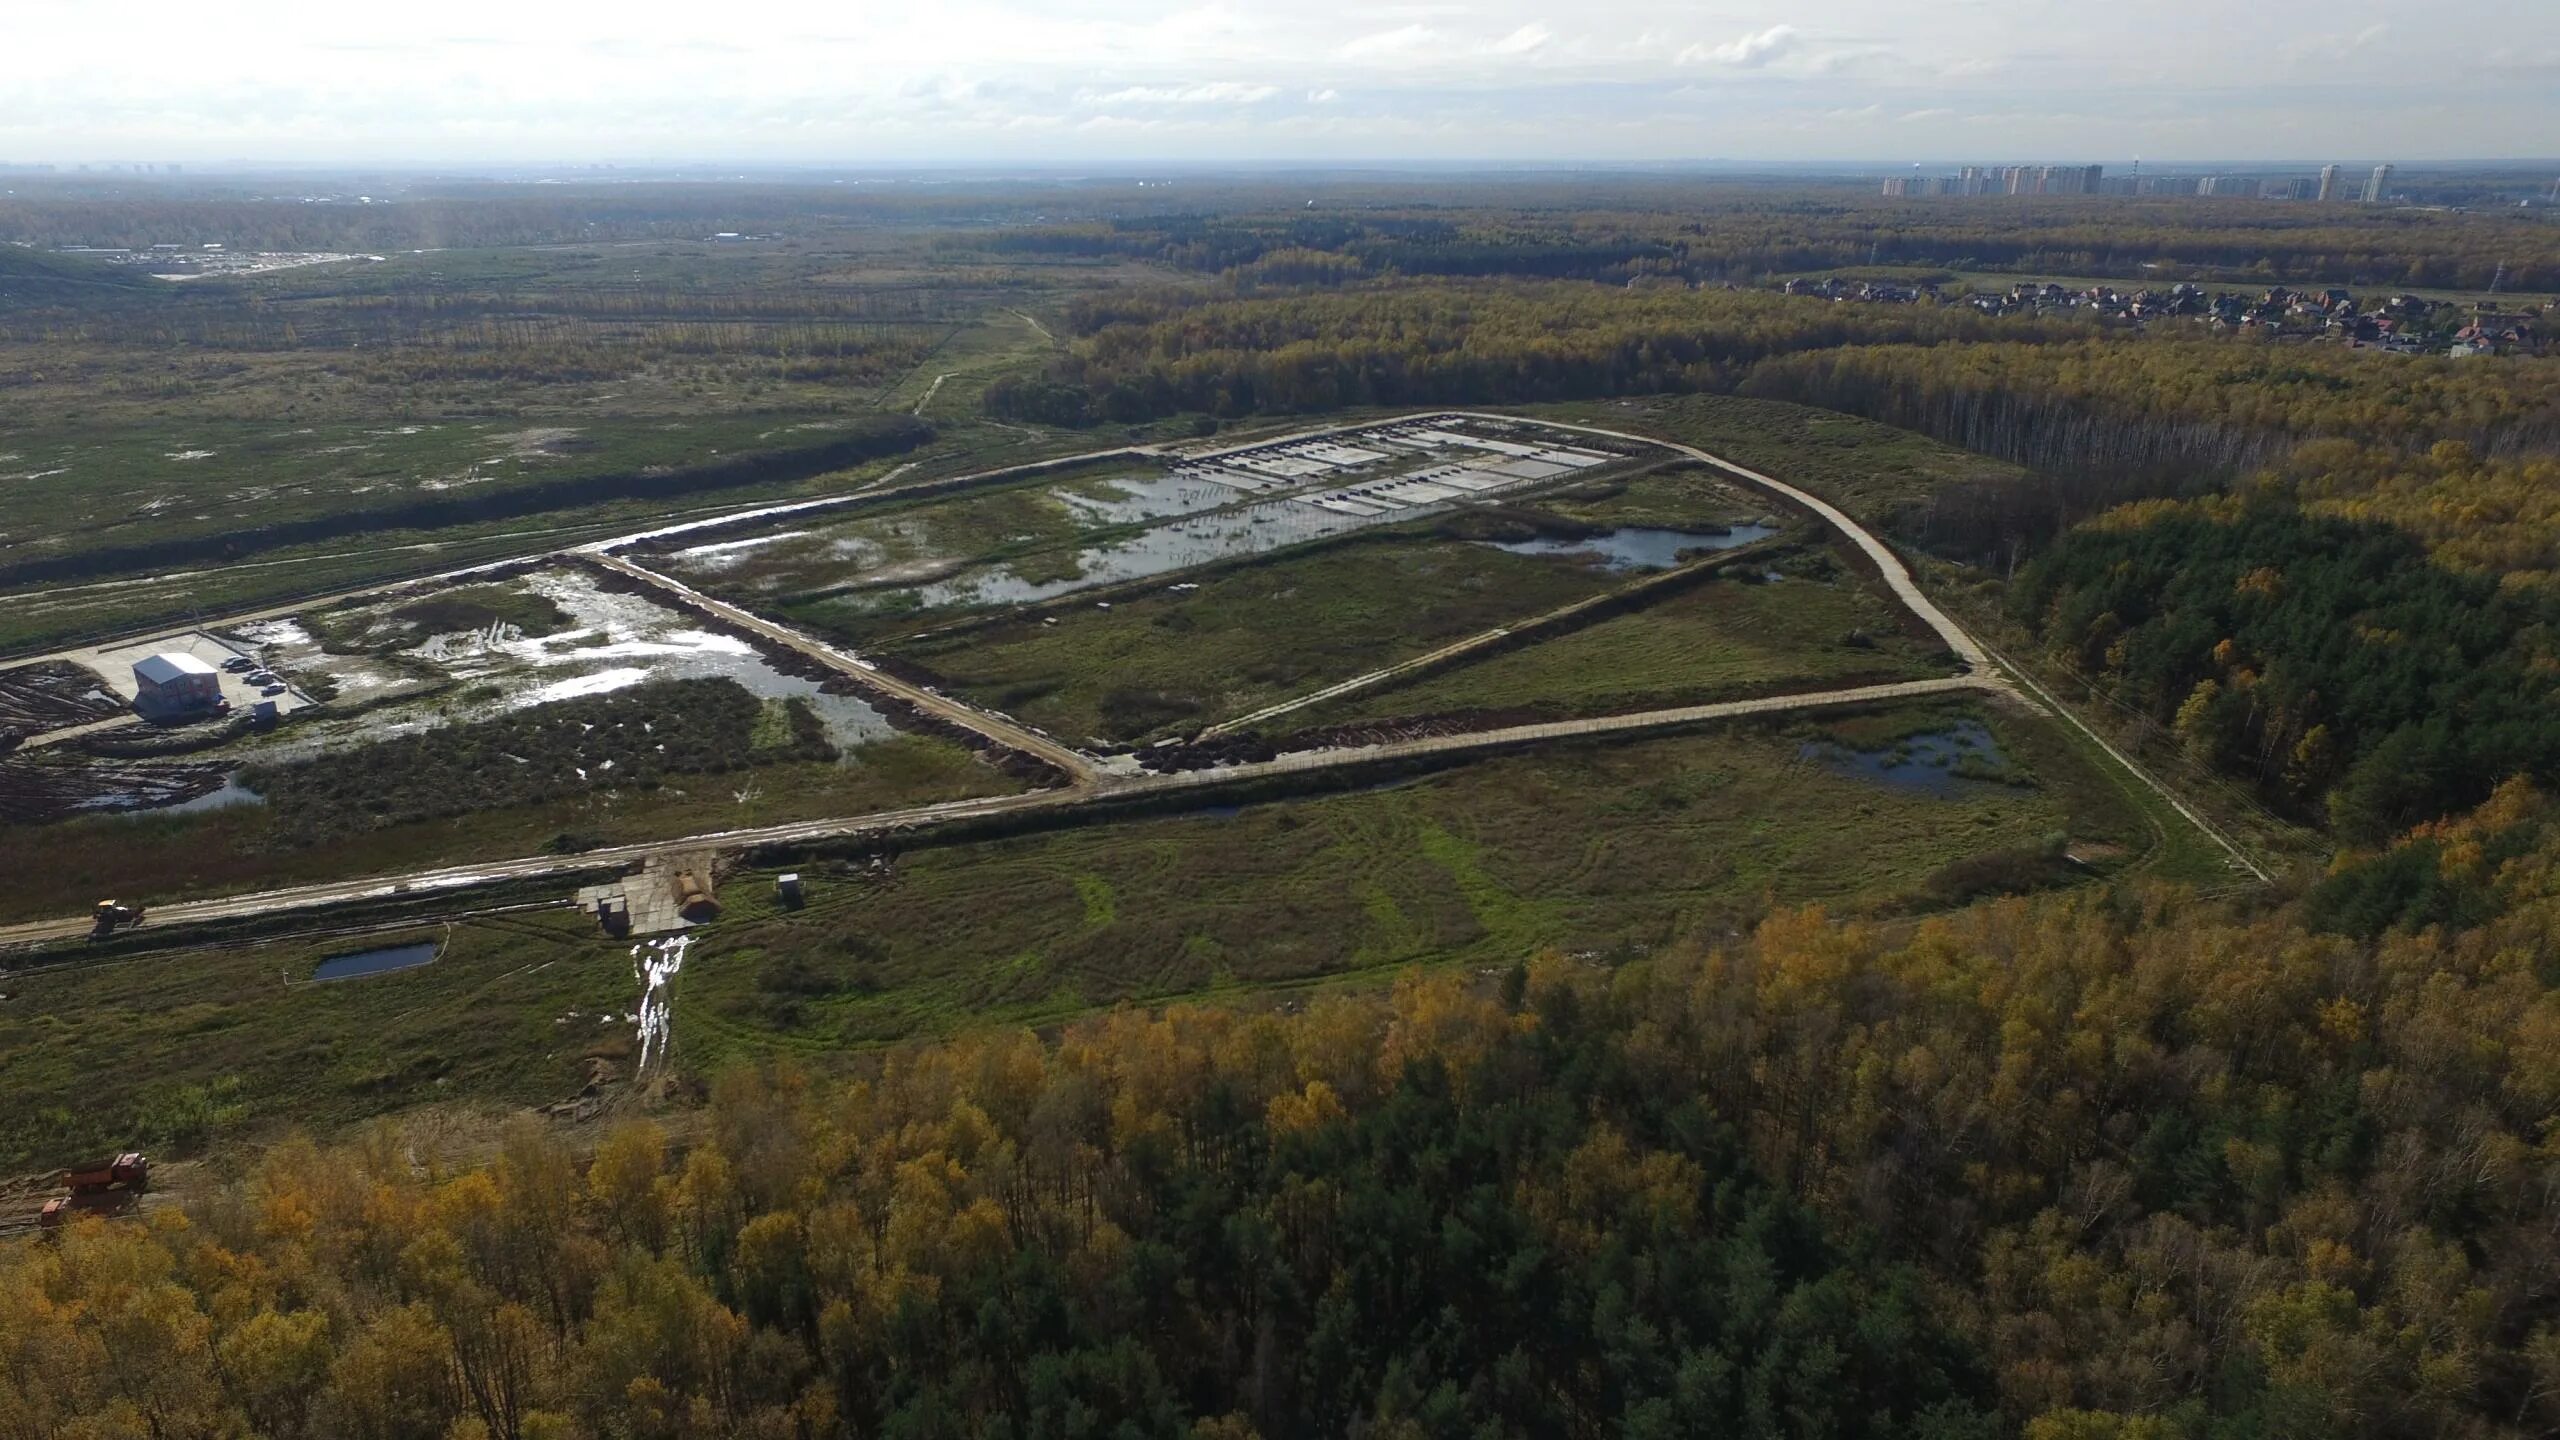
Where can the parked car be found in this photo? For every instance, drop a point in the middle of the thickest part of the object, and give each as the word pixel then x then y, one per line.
pixel 262 677
pixel 239 664
pixel 272 689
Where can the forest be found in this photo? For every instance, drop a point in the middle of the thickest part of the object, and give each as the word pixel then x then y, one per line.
pixel 2102 423
pixel 2331 661
pixel 1554 226
pixel 2092 1165
pixel 1748 238
pixel 1152 354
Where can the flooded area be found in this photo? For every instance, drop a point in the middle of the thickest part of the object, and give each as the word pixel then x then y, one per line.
pixel 376 962
pixel 1133 499
pixel 1160 550
pixel 1638 547
pixel 599 637
pixel 1223 506
pixel 933 539
pixel 287 648
pixel 612 639
pixel 1945 764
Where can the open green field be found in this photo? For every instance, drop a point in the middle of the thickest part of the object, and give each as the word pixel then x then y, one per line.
pixel 1171 658
pixel 1665 491
pixel 178 1050
pixel 1870 470
pixel 32 617
pixel 1606 851
pixel 1250 635
pixel 63 868
pixel 168 449
pixel 174 479
pixel 1804 621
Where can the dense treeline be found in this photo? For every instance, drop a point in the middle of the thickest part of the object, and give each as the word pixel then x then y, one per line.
pixel 2330 661
pixel 2082 1166
pixel 2491 517
pixel 2099 423
pixel 635 738
pixel 2225 406
pixel 1748 238
pixel 311 213
pixel 1474 1218
pixel 1148 355
pixel 1606 228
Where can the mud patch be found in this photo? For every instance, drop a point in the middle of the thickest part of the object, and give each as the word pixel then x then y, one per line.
pixel 36 793
pixel 54 695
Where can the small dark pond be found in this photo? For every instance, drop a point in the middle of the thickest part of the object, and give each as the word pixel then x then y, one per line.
pixel 1637 547
pixel 1961 759
pixel 375 962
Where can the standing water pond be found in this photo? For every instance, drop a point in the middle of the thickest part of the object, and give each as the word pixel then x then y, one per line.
pixel 1638 547
pixel 376 962
pixel 1962 759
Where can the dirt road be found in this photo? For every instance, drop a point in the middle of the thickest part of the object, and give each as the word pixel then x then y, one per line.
pixel 1074 764
pixel 459 878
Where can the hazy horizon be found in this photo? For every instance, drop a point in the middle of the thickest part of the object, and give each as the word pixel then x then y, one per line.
pixel 1114 83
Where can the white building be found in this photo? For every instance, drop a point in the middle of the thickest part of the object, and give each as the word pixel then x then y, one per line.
pixel 174 684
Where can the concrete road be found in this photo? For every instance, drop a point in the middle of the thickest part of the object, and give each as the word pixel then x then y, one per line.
pixel 1644 721
pixel 457 878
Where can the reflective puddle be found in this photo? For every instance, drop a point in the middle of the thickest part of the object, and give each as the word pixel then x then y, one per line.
pixel 376 962
pixel 1961 759
pixel 1638 547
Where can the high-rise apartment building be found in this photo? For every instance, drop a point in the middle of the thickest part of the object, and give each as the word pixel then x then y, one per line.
pixel 2329 183
pixel 2378 185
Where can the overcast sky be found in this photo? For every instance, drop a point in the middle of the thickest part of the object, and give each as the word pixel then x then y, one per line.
pixel 856 82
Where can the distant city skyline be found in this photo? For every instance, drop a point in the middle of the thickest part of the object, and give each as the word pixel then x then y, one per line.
pixel 1050 82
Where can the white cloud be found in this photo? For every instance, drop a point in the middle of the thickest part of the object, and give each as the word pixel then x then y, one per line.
pixel 502 82
pixel 1216 92
pixel 1402 41
pixel 1747 52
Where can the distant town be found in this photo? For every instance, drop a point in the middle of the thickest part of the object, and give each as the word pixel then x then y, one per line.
pixel 2333 183
pixel 2401 324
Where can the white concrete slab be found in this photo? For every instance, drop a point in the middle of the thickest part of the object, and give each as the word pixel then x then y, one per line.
pixel 114 664
pixel 1345 505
